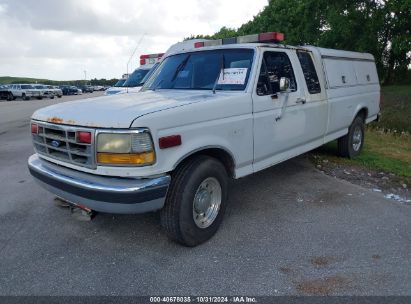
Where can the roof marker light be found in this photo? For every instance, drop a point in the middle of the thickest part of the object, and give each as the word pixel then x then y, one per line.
pixel 144 57
pixel 275 37
pixel 248 38
pixel 231 40
pixel 271 37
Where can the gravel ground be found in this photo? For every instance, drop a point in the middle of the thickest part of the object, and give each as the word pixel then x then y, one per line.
pixel 392 186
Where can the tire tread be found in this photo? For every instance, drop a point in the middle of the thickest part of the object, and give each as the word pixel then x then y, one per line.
pixel 170 212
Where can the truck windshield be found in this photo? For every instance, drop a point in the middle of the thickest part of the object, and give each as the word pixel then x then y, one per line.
pixel 134 80
pixel 224 69
pixel 120 83
pixel 151 71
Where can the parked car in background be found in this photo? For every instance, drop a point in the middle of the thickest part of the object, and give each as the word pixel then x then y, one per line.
pixel 98 88
pixel 56 91
pixel 86 88
pixel 116 88
pixel 23 91
pixel 135 80
pixel 45 91
pixel 69 90
pixel 5 93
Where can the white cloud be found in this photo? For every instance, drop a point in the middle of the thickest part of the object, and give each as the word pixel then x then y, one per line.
pixel 59 39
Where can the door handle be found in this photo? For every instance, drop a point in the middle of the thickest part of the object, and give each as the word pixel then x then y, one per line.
pixel 300 100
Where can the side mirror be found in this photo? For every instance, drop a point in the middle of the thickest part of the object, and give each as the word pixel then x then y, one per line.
pixel 284 84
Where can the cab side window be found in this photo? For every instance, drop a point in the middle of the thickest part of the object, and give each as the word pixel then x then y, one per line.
pixel 274 66
pixel 310 75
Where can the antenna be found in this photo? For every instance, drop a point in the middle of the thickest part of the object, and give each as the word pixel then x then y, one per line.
pixel 132 55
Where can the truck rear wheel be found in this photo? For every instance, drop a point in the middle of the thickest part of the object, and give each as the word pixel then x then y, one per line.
pixel 196 201
pixel 351 144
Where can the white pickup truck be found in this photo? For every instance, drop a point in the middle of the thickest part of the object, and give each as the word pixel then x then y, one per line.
pixel 226 109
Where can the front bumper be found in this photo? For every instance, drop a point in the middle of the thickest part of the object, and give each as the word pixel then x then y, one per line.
pixel 101 193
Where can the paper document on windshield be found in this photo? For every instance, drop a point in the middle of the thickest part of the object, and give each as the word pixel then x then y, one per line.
pixel 232 76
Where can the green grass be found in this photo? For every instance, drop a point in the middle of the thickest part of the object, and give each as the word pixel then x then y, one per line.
pixel 396 108
pixel 387 143
pixel 10 80
pixel 382 152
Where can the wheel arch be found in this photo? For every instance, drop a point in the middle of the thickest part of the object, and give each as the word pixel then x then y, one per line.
pixel 361 111
pixel 217 152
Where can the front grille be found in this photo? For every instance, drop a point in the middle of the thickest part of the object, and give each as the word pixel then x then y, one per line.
pixel 59 142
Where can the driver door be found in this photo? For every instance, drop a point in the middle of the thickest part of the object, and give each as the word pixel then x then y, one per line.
pixel 282 126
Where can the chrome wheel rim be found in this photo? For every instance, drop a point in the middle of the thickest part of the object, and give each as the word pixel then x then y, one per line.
pixel 357 139
pixel 207 201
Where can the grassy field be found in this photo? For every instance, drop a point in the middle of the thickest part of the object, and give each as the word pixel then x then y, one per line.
pixel 10 80
pixel 396 108
pixel 387 143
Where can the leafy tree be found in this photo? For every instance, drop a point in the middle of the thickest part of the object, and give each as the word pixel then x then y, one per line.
pixel 375 26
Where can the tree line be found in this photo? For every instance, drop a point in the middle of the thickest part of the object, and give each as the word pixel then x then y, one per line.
pixel 379 27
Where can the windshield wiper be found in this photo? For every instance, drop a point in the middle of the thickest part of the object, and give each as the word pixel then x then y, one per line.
pixel 218 76
pixel 180 67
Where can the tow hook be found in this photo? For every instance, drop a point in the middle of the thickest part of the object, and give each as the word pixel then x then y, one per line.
pixel 79 212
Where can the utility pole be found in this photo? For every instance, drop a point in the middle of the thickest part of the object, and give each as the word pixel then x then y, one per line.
pixel 85 77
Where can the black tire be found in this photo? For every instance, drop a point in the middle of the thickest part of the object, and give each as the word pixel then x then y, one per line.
pixel 59 96
pixel 177 216
pixel 350 145
pixel 10 97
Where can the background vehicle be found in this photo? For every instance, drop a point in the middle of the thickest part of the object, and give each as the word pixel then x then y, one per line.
pixel 98 88
pixel 5 93
pixel 24 91
pixel 203 117
pixel 135 80
pixel 86 88
pixel 56 91
pixel 116 88
pixel 44 91
pixel 69 90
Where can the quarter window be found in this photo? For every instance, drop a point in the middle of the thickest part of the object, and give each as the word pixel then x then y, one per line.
pixel 274 66
pixel 310 75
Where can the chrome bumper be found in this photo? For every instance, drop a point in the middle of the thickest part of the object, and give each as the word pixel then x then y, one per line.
pixel 101 193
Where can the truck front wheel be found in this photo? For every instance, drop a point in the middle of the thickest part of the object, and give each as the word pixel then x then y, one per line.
pixel 351 144
pixel 196 201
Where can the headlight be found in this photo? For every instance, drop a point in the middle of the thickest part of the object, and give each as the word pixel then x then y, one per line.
pixel 125 149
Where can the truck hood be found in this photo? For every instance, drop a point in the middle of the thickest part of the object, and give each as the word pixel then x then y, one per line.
pixel 118 111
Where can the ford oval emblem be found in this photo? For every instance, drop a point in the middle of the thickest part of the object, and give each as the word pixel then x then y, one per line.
pixel 55 143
